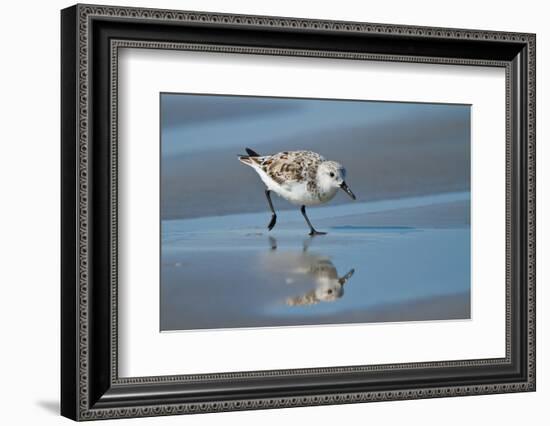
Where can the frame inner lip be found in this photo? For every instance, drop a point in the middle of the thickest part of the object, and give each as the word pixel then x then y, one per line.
pixel 336 370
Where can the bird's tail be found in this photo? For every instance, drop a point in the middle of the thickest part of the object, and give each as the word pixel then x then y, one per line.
pixel 251 158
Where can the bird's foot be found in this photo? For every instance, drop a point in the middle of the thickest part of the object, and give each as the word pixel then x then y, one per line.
pixel 272 222
pixel 313 232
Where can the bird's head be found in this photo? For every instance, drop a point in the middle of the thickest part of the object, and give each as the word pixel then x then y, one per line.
pixel 331 175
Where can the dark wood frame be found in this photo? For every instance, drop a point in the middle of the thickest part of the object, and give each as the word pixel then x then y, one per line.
pixel 91 37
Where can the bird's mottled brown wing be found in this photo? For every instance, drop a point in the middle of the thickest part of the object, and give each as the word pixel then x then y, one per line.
pixel 291 166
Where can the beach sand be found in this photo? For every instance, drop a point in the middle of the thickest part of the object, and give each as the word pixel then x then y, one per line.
pixel 406 259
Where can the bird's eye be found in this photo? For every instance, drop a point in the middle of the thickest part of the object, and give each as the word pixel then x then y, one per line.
pixel 331 174
pixel 330 292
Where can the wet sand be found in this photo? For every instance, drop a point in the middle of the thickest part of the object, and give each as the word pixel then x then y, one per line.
pixel 392 260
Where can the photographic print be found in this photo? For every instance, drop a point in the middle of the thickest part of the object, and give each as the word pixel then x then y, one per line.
pixel 299 212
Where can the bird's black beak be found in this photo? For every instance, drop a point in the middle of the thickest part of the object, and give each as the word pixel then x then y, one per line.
pixel 345 187
pixel 346 277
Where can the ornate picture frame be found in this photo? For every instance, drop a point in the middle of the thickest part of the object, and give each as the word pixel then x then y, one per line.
pixel 91 37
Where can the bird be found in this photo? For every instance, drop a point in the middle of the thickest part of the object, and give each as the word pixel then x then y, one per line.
pixel 317 270
pixel 303 178
pixel 329 287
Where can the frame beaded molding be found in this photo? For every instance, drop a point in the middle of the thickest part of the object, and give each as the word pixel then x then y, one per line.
pixel 287 402
pixel 86 13
pixel 116 45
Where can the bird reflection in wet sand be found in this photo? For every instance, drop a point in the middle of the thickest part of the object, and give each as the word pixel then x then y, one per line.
pixel 318 269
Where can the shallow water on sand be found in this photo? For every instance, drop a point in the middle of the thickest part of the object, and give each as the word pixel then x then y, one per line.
pixel 236 274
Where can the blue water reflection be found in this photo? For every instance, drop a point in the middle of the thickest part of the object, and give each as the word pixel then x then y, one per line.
pixel 245 278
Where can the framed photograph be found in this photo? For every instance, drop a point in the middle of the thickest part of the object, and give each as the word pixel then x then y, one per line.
pixel 263 212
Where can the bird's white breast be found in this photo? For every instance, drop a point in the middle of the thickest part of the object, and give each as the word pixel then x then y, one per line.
pixel 296 192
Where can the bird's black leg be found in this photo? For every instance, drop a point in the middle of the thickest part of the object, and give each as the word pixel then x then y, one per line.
pixel 273 214
pixel 312 230
pixel 307 243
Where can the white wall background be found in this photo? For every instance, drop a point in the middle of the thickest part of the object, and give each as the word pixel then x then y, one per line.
pixel 29 225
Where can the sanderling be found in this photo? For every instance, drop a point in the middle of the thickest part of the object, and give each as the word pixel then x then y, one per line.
pixel 328 286
pixel 303 178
